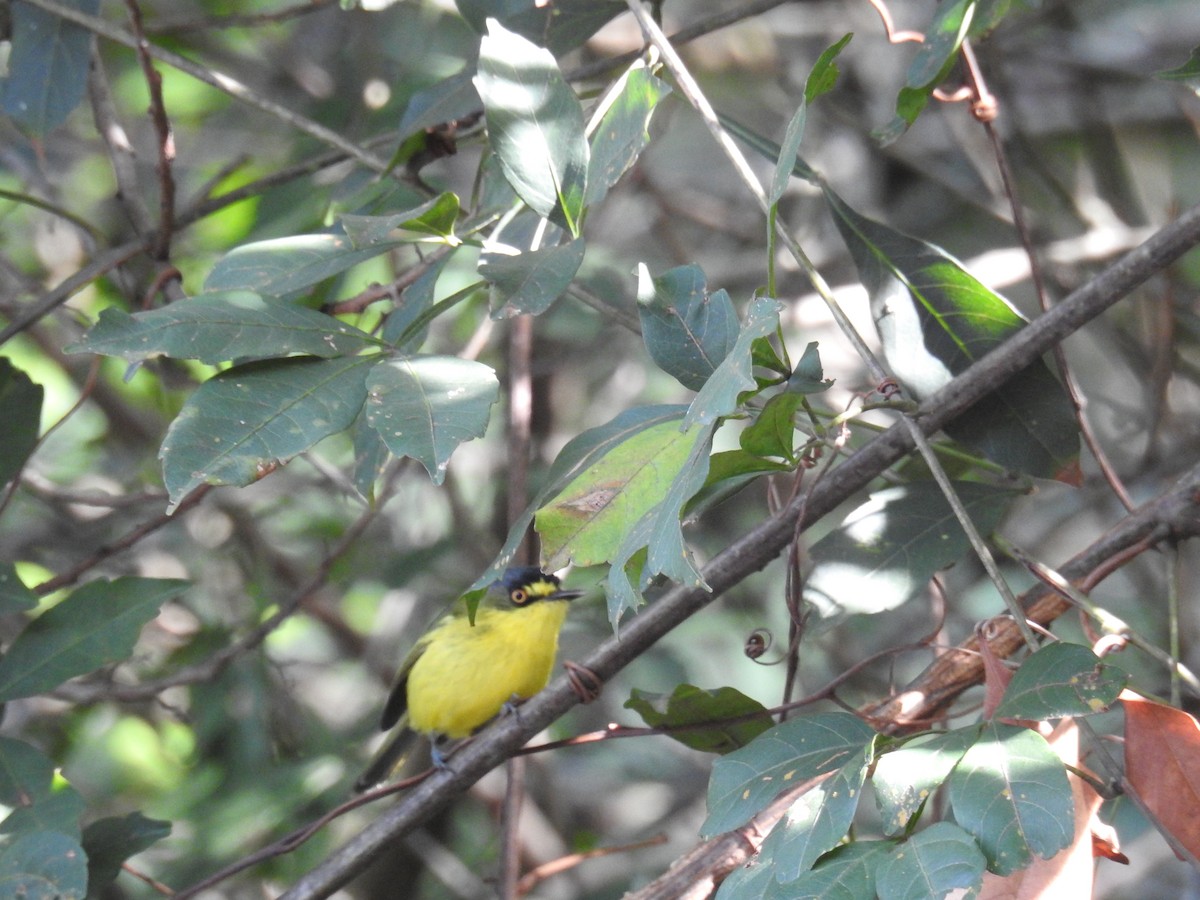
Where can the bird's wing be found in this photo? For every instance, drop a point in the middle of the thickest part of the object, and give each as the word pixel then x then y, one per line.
pixel 397 701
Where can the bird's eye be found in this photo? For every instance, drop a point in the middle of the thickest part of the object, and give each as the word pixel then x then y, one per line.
pixel 519 596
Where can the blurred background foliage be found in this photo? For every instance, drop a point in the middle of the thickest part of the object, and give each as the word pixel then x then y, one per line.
pixel 235 747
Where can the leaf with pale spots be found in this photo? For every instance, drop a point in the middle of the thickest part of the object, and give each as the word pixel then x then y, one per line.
pixel 1061 679
pixel 425 406
pixel 791 753
pixel 221 326
pixel 818 820
pixel 941 861
pixel 717 721
pixel 1010 791
pixel 906 778
pixel 241 423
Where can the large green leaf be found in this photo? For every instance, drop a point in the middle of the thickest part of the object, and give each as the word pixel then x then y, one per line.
pixel 283 265
pixel 1010 791
pixel 716 721
pixel 96 626
pixel 817 821
pixel 906 778
pixel 687 330
pixel 745 781
pixel 20 418
pixel 220 326
pixel 885 552
pixel 239 424
pixel 1061 679
pixel 722 392
pixel 621 135
pixel 451 98
pixel 589 519
pixel 425 406
pixel 580 453
pixel 931 65
pixel 48 66
pixel 845 873
pixel 529 282
pixel 941 861
pixel 934 320
pixel 535 125
pixel 43 865
pixel 660 533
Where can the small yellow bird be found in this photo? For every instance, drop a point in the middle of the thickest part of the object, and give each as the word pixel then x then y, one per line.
pixel 458 676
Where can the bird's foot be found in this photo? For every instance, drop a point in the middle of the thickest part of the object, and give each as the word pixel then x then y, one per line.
pixel 586 684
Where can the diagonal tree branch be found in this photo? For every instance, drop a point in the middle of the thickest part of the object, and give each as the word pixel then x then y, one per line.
pixel 754 550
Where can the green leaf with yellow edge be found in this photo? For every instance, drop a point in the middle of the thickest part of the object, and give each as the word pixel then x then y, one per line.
pixel 1061 679
pixel 96 626
pixel 713 721
pixel 587 521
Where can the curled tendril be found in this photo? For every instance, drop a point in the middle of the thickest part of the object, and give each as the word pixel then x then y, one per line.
pixel 758 642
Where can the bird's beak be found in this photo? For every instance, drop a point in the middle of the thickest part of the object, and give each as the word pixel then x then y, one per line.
pixel 566 595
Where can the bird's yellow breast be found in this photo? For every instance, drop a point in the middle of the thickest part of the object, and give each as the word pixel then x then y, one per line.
pixel 468 672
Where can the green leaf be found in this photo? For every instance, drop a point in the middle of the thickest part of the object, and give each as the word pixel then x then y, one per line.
pixel 906 778
pixel 529 282
pixel 885 552
pixel 96 626
pixel 686 708
pixel 809 377
pixel 43 865
pixel 818 820
pixel 931 65
pixel 940 861
pixel 844 873
pixel 788 152
pixel 687 330
pixel 433 219
pixel 425 406
pixel 237 425
pixel 111 841
pixel 559 26
pixel 220 326
pixel 791 753
pixel 660 532
pixel 14 596
pixel 1059 680
pixel 824 72
pixel 588 520
pixel 21 413
pixel 417 301
pixel 721 393
pixel 47 67
pixel 284 265
pixel 1011 792
pixel 774 431
pixel 535 125
pixel 738 465
pixel 580 453
pixel 622 133
pixel 28 788
pixel 934 321
pixel 1187 74
pixel 451 98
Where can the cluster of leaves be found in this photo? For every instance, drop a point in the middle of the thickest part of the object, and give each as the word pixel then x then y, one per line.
pixel 290 375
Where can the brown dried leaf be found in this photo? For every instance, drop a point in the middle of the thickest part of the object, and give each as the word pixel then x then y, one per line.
pixel 1162 764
